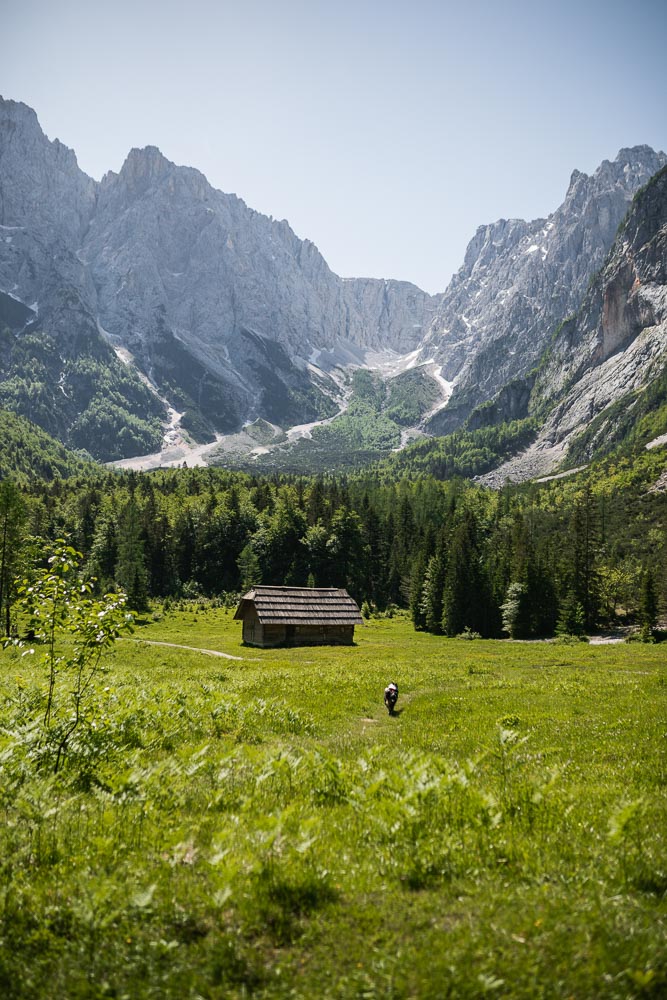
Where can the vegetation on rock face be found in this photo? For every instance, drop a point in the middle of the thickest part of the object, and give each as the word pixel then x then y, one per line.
pixel 263 828
pixel 463 453
pixel 370 427
pixel 409 396
pixel 635 420
pixel 87 399
pixel 28 453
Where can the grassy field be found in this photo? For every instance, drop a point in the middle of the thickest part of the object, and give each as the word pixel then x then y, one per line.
pixel 260 827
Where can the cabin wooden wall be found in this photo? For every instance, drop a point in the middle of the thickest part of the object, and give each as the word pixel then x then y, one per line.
pixel 254 634
pixel 253 631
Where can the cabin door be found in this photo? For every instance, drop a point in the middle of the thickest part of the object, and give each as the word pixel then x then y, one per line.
pixel 290 632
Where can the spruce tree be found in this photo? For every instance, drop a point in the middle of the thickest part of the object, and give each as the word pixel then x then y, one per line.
pixel 249 568
pixel 571 616
pixel 417 578
pixel 585 539
pixel 130 568
pixel 466 602
pixel 648 607
pixel 12 524
pixel 432 594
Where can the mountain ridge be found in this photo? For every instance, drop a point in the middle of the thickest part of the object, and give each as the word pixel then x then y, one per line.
pixel 227 316
pixel 519 280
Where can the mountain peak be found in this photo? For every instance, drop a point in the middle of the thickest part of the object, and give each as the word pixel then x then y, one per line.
pixel 629 154
pixel 17 110
pixel 143 167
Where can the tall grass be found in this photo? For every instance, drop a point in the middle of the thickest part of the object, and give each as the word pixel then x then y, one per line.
pixel 263 828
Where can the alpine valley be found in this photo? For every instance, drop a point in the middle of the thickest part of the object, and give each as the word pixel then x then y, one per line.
pixel 192 811
pixel 152 320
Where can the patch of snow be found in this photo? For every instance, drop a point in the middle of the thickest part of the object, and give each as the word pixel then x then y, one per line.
pixel 12 229
pixel 176 446
pixel 412 360
pixel 444 384
pixel 657 442
pixel 532 248
pixel 8 239
pixel 435 371
pixel 123 355
pixel 561 475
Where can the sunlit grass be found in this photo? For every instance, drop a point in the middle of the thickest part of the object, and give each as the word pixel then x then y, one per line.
pixel 261 827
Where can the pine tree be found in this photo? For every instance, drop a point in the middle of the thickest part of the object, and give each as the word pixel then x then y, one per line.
pixel 417 579
pixel 130 568
pixel 12 524
pixel 249 568
pixel 571 616
pixel 431 606
pixel 648 607
pixel 467 602
pixel 347 551
pixel 101 564
pixel 584 533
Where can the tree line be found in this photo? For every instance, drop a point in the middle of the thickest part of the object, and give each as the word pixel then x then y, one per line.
pixel 525 561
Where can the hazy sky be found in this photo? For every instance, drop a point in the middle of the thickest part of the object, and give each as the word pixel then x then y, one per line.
pixel 385 132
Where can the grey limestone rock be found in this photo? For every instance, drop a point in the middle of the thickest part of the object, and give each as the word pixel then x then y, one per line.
pixel 520 280
pixel 231 317
pixel 192 282
pixel 608 353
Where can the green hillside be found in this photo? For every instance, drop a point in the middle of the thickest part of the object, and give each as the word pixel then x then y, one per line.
pixel 378 411
pixel 79 392
pixel 29 453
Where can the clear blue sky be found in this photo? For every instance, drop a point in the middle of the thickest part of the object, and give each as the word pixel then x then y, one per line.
pixel 385 132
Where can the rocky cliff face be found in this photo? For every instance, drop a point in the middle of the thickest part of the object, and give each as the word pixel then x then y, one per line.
pixel 220 306
pixel 228 316
pixel 603 358
pixel 40 181
pixel 168 252
pixel 519 280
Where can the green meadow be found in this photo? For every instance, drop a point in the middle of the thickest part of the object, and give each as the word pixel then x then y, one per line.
pixel 260 827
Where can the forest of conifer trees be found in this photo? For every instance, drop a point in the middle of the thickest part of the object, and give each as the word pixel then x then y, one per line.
pixel 526 561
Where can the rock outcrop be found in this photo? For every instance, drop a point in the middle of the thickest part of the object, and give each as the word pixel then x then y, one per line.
pixel 220 307
pixel 152 289
pixel 520 280
pixel 610 352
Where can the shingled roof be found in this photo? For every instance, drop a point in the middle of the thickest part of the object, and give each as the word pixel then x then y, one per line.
pixel 301 606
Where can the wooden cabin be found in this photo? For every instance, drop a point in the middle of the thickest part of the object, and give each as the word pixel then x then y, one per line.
pixel 298 616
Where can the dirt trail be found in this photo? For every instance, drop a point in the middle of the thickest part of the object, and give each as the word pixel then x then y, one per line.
pixel 192 649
